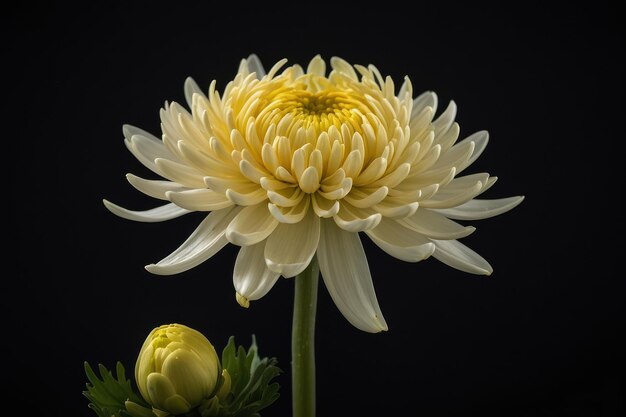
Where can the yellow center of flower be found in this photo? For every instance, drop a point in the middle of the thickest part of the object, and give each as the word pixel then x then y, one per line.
pixel 306 107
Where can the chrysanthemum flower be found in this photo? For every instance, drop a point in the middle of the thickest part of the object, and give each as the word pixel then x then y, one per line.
pixel 294 163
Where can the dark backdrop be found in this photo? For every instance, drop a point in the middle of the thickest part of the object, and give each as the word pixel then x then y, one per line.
pixel 540 337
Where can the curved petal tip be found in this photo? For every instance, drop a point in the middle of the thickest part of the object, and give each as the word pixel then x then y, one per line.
pixel 243 301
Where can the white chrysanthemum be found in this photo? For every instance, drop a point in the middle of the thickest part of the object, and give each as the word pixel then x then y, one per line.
pixel 297 163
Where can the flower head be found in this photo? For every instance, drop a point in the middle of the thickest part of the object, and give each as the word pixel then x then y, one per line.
pixel 297 162
pixel 177 369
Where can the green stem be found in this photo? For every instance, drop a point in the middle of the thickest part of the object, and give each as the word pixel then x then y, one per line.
pixel 303 341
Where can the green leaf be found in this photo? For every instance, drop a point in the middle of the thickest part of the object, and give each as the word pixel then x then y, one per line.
pixel 251 387
pixel 107 394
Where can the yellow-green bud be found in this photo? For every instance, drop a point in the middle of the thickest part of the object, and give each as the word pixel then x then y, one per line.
pixel 224 390
pixel 176 369
pixel 137 410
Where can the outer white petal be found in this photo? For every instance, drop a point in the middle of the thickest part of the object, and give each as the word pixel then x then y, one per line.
pixel 459 256
pixel 401 242
pixel 446 199
pixel 405 88
pixel 345 271
pixel 146 149
pixel 201 199
pixel 317 66
pixel 406 254
pixel 481 209
pixel 204 242
pixel 291 247
pixel 251 277
pixel 445 120
pixel 488 184
pixel 353 219
pixel 154 188
pixel 457 156
pixel 182 174
pixel 129 131
pixel 323 207
pixel 436 225
pixel 480 139
pixel 252 225
pixel 428 98
pixel 255 65
pixel 158 214
pixel 247 199
pixel 191 88
pixel 340 65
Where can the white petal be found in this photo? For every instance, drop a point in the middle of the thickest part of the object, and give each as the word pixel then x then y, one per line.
pixel 396 207
pixel 454 198
pixel 400 241
pixel 435 225
pixel 457 156
pixel 276 67
pixel 199 199
pixel 457 255
pixel 447 139
pixel 406 254
pixel 445 120
pixel 204 242
pixel 421 128
pixel 291 247
pixel 393 178
pixel 158 214
pixel 417 181
pixel 201 161
pixel 129 131
pixel 254 65
pixel 150 147
pixel 252 225
pixel 428 98
pixel 338 191
pixel 222 184
pixel 191 88
pixel 353 219
pixel 317 66
pixel 271 184
pixel 290 214
pixel 287 197
pixel 460 183
pixel 182 174
pixel 154 188
pixel 488 184
pixel 247 199
pixel 375 170
pixel 344 67
pixel 310 180
pixel 251 277
pixel 252 171
pixel 481 209
pixel 480 140
pixel 405 88
pixel 324 207
pixel 361 198
pixel 345 271
pixel 428 192
pixel 146 149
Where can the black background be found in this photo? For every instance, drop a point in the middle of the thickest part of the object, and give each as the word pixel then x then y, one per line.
pixel 540 337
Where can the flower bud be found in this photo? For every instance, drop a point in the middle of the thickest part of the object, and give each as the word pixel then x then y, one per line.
pixel 176 369
pixel 224 390
pixel 137 410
